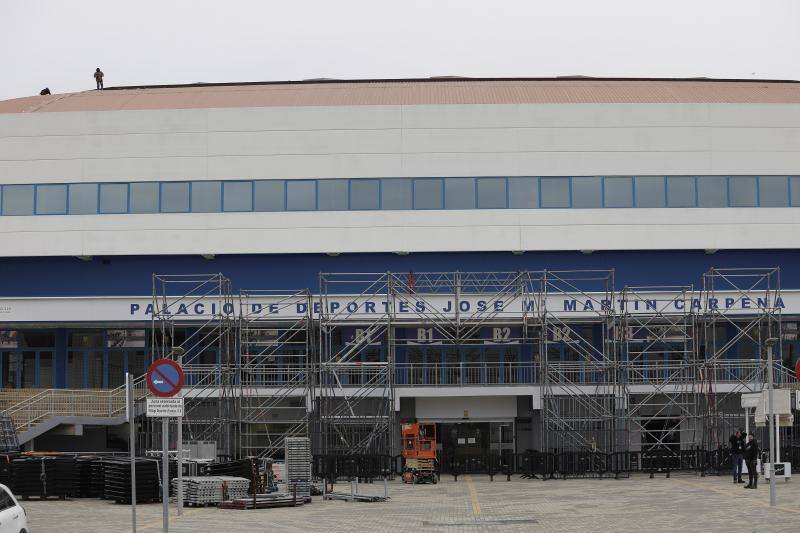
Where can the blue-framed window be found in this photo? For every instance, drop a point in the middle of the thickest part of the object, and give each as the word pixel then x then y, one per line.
pixel 237 196
pixel 339 194
pixel 587 192
pixel 18 199
pixel 773 191
pixel 269 195
pixel 743 191
pixel 206 197
pixel 333 195
pixel 113 198
pixel 397 194
pixel 650 191
pixel 175 197
pixel 301 195
pixel 83 199
pixel 794 190
pixel 712 191
pixel 681 191
pixel 365 194
pixel 523 193
pixel 51 199
pixel 428 193
pixel 554 192
pixel 459 193
pixel 144 197
pixel 492 193
pixel 618 191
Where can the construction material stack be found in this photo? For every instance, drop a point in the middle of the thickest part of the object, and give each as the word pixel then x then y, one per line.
pixel 298 467
pixel 43 476
pixel 117 480
pixel 246 468
pixel 211 490
pixel 9 441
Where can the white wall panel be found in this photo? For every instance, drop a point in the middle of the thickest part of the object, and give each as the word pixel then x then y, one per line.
pixel 401 231
pixel 456 408
pixel 304 166
pixel 386 141
pixel 305 118
pixel 367 141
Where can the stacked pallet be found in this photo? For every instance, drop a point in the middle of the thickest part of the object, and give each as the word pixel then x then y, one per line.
pixel 83 483
pixel 298 466
pixel 43 477
pixel 211 490
pixel 98 481
pixel 117 476
pixel 5 468
pixel 246 468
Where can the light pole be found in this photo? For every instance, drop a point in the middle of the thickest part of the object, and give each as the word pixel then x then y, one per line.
pixel 770 414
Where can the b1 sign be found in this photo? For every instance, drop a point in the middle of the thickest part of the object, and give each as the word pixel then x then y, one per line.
pixel 169 407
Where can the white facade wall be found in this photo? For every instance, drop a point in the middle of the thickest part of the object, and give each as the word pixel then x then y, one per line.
pixel 400 141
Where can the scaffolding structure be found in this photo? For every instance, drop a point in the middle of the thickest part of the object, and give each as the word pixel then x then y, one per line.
pixel 355 402
pixel 658 342
pixel 582 404
pixel 276 377
pixel 741 311
pixel 193 323
pixel 650 367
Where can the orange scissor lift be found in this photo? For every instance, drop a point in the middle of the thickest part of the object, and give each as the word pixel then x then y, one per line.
pixel 419 452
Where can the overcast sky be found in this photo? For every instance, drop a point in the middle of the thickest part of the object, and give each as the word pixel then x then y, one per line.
pixel 58 44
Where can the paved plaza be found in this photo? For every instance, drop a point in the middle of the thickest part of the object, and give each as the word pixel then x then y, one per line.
pixel 473 504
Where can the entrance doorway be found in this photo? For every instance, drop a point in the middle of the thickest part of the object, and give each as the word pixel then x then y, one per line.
pixel 661 434
pixel 469 444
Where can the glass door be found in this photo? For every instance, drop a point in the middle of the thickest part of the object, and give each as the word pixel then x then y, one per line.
pixel 116 368
pixel 8 367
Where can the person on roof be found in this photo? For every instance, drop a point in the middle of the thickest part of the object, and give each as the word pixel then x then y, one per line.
pixel 98 77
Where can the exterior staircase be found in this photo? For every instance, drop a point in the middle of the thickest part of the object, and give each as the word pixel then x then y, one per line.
pixel 36 414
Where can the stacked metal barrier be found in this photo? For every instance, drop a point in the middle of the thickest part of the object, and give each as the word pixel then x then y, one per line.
pixel 298 466
pixel 205 490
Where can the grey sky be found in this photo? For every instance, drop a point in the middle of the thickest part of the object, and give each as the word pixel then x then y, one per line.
pixel 59 43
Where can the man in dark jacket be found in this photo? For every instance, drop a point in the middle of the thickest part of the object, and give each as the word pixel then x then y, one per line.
pixel 751 452
pixel 98 77
pixel 737 448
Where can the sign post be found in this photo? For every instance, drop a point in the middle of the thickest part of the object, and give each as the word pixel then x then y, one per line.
pixel 132 444
pixel 165 379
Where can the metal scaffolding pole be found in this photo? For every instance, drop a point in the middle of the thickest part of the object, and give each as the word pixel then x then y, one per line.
pixel 193 322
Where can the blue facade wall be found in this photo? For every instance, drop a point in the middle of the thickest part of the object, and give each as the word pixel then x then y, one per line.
pixel 131 275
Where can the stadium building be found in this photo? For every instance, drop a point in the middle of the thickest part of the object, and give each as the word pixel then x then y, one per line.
pixel 550 264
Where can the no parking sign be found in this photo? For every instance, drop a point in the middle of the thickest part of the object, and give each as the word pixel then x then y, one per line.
pixel 165 378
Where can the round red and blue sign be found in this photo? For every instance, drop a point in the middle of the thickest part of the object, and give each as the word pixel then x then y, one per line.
pixel 165 378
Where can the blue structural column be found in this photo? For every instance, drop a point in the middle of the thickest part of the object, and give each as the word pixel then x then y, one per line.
pixel 60 363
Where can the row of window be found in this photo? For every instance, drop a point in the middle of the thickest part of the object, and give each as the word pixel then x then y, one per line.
pixel 400 194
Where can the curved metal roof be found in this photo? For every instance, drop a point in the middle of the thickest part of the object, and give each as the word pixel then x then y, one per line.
pixel 449 90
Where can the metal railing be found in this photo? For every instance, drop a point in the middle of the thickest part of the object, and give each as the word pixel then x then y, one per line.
pixel 461 374
pixel 35 407
pixel 464 374
pixel 101 403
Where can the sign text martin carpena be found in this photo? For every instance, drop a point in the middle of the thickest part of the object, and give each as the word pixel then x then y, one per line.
pixel 418 305
pixel 406 306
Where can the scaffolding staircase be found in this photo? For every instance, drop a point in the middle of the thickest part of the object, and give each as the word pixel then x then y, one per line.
pixel 275 369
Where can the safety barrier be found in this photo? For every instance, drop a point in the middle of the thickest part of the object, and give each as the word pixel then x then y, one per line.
pixel 534 464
